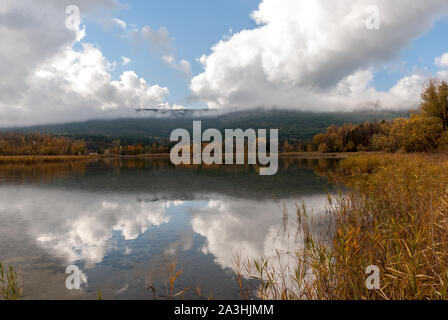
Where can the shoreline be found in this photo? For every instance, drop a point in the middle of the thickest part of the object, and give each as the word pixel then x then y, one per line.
pixel 61 158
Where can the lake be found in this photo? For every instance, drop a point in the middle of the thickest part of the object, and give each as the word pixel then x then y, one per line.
pixel 123 221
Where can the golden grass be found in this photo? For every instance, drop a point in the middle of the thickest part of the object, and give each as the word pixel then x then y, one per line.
pixel 10 284
pixel 40 159
pixel 397 219
pixel 394 217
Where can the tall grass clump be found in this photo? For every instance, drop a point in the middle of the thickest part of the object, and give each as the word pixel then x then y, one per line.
pixel 394 216
pixel 173 274
pixel 10 284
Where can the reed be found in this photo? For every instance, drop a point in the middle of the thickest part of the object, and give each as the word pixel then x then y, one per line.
pixel 395 216
pixel 173 273
pixel 10 283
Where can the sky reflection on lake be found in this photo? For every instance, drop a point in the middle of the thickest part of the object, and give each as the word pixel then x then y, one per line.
pixel 121 222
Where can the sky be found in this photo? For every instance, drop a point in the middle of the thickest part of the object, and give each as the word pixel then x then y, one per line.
pixel 311 55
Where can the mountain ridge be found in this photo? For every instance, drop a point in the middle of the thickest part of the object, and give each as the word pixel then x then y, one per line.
pixel 294 125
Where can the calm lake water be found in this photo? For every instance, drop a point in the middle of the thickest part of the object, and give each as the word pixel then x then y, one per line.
pixel 123 221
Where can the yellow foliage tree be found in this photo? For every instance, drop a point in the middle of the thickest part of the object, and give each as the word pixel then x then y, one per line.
pixel 435 102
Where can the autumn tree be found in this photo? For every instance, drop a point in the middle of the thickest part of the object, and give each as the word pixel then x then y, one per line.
pixel 415 134
pixel 287 147
pixel 15 143
pixel 435 101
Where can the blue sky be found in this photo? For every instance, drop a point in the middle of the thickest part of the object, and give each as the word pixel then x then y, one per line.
pixel 307 55
pixel 195 26
pixel 419 54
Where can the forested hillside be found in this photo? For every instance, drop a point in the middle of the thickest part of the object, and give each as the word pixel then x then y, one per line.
pixel 294 126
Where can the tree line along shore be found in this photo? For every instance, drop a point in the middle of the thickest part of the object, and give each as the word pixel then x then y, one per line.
pixel 425 130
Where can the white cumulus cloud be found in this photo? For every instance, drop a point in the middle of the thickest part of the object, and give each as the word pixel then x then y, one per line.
pixel 183 66
pixel 161 42
pixel 50 75
pixel 125 61
pixel 314 55
pixel 120 23
pixel 442 61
